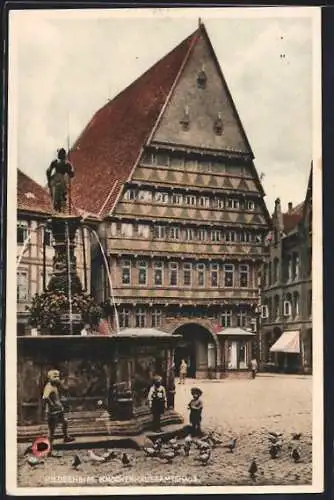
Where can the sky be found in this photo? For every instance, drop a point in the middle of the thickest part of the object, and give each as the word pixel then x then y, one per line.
pixel 66 65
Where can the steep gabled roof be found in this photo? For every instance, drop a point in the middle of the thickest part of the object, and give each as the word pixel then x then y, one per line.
pixel 31 196
pixel 297 214
pixel 106 151
pixel 292 218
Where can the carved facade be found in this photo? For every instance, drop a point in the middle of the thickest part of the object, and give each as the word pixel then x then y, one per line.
pixel 184 220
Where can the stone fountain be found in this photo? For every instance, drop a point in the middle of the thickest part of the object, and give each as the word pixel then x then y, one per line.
pixel 105 378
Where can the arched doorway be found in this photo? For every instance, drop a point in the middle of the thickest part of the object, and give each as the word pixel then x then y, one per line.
pixel 198 348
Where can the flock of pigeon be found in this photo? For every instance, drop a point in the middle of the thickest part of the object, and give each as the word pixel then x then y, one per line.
pixel 276 448
pixel 200 448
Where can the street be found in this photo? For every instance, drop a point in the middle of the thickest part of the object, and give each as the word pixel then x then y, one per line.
pixel 242 408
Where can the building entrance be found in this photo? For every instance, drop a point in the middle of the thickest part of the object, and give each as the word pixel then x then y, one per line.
pixel 197 348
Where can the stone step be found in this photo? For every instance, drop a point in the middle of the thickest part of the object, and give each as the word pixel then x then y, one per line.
pixel 94 427
pixel 125 441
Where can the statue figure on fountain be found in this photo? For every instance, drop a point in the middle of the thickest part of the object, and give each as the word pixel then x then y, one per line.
pixel 59 170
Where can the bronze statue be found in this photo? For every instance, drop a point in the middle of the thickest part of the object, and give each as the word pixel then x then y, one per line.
pixel 56 176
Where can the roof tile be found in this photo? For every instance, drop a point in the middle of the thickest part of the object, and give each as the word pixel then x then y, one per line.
pixel 108 147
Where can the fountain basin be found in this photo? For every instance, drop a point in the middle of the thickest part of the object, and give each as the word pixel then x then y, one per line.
pixel 115 370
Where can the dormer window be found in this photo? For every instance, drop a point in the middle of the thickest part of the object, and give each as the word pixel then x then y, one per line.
pixel 185 122
pixel 202 79
pixel 218 126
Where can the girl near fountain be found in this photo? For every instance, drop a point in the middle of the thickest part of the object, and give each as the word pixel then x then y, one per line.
pixel 54 407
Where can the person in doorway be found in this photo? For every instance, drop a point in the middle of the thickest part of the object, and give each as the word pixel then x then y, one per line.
pixel 157 401
pixel 253 367
pixel 196 407
pixel 54 407
pixel 183 371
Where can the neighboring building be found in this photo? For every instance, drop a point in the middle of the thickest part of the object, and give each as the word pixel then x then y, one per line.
pixel 167 166
pixel 286 333
pixel 33 210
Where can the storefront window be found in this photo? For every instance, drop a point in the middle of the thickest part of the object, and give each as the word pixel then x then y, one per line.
pixel 242 356
pixel 237 355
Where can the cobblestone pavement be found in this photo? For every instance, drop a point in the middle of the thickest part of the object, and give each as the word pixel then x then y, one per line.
pixel 244 408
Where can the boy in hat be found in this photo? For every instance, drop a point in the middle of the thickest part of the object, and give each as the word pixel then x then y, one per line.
pixel 195 406
pixel 54 407
pixel 157 401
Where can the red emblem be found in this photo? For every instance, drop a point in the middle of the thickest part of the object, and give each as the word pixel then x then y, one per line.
pixel 41 447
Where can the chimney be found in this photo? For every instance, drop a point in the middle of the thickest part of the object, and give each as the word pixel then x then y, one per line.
pixel 290 207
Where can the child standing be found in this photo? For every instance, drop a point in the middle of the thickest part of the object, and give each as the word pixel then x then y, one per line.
pixel 183 371
pixel 196 406
pixel 157 401
pixel 54 407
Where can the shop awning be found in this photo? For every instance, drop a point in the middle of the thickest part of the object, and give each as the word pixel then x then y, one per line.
pixel 288 342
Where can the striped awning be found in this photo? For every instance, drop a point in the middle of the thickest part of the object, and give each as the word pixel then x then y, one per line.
pixel 288 342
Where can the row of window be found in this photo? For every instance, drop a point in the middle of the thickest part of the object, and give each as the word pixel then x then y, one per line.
pixel 163 159
pixel 289 271
pixel 186 274
pixel 141 318
pixel 22 233
pixel 289 306
pixel 188 199
pixel 179 233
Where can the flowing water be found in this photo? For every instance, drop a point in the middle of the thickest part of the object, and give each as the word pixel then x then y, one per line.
pixel 108 274
pixel 69 277
pixel 26 243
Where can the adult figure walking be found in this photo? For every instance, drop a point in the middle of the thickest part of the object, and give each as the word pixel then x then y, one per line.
pixel 253 367
pixel 183 371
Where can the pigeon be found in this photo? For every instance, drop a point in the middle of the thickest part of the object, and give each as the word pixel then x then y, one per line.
pixel 215 438
pixel 274 451
pixel 295 455
pixel 76 462
pixel 187 445
pixel 174 445
pixel 232 444
pixel 168 455
pixel 186 449
pixel 33 461
pixel 204 457
pixel 95 458
pixel 126 460
pixel 296 437
pixel 277 435
pixel 109 455
pixel 157 444
pixel 253 469
pixel 154 450
pixel 200 444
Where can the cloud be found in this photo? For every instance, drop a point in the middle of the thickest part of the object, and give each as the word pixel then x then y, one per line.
pixel 68 68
